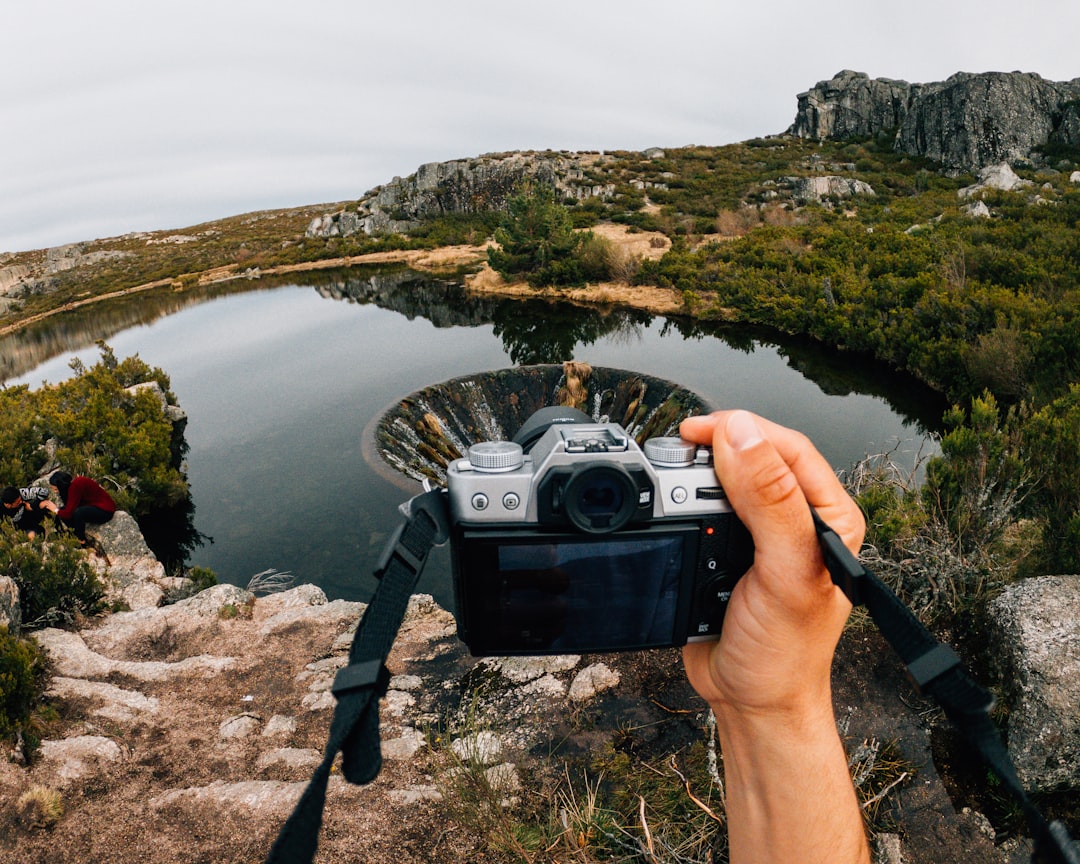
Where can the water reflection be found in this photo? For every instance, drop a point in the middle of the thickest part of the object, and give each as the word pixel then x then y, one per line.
pixel 279 383
pixel 532 331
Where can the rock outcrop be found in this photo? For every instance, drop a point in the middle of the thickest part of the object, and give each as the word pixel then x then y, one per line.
pixel 461 186
pixel 22 280
pixel 1037 635
pixel 967 122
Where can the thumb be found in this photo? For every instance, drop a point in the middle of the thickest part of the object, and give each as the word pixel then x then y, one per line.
pixel 765 494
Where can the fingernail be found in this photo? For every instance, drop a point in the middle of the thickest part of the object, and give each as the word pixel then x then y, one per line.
pixel 743 431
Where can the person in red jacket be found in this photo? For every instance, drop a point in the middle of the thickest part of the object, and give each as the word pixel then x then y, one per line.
pixel 84 502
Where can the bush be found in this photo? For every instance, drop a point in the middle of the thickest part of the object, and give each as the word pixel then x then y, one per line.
pixel 538 241
pixel 946 546
pixel 22 668
pixel 1051 440
pixel 98 429
pixel 56 584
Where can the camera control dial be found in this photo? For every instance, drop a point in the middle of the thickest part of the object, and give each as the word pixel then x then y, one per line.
pixel 496 456
pixel 670 452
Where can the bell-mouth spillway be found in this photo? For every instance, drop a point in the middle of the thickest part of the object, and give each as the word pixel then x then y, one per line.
pixel 418 436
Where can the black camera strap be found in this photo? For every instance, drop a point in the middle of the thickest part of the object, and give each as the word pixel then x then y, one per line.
pixel 358 686
pixel 936 670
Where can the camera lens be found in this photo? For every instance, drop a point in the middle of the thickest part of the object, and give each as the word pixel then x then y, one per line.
pixel 600 498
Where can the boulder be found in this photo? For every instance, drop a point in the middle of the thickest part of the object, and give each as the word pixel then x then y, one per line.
pixel 1035 635
pixel 128 567
pixel 816 188
pixel 999 176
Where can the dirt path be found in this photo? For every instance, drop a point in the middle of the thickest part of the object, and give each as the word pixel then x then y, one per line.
pixel 642 244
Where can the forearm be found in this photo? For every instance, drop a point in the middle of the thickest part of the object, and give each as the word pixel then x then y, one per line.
pixel 789 792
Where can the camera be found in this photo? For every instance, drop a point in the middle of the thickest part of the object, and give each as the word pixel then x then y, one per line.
pixel 571 538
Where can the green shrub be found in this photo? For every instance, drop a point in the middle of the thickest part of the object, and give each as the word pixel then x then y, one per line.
pixel 1051 439
pixel 22 668
pixel 56 584
pixel 538 241
pixel 201 578
pixel 100 429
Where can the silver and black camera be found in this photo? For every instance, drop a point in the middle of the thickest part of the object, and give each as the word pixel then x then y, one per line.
pixel 572 539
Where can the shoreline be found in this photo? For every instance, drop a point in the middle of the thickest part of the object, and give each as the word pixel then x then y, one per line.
pixel 648 298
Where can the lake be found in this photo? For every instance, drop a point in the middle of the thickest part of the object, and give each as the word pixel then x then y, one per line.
pixel 280 381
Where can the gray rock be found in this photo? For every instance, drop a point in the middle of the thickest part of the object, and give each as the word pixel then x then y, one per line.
pixel 592 680
pixel 966 122
pixel 10 610
pixel 73 659
pixel 850 104
pixel 1035 635
pixel 81 755
pixel 260 796
pixel 999 176
pixel 460 186
pixel 124 632
pixel 290 757
pixel 887 849
pixel 523 669
pixel 816 188
pixel 483 747
pixel 405 746
pixel 240 726
pixel 128 568
pixel 331 615
pixel 280 726
pixel 116 703
pixel 415 795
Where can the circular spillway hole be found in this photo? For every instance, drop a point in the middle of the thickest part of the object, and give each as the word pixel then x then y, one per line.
pixel 417 437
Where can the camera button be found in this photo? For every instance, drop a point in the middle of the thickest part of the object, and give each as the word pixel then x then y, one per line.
pixel 511 501
pixel 479 501
pixel 679 495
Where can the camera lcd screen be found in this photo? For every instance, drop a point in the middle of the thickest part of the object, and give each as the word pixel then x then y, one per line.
pixel 575 593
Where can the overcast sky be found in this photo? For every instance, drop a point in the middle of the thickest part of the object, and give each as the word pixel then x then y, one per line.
pixel 125 116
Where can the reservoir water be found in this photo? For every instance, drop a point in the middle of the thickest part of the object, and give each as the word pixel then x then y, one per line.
pixel 280 382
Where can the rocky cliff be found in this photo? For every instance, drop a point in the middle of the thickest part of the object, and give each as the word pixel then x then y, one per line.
pixel 966 122
pixel 461 186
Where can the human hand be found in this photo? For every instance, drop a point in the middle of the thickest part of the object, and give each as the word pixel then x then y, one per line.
pixel 785 616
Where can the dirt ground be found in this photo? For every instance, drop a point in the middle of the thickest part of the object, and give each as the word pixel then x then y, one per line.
pixel 184 793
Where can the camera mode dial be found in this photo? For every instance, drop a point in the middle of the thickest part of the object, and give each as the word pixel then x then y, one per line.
pixel 496 456
pixel 670 452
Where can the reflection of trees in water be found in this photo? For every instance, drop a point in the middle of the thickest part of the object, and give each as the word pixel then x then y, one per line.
pixel 171 534
pixel 835 372
pixel 533 332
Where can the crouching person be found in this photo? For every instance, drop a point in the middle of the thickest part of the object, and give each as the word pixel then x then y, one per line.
pixel 84 502
pixel 26 507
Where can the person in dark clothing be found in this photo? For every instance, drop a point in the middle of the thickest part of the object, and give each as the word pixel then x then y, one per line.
pixel 26 507
pixel 84 502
